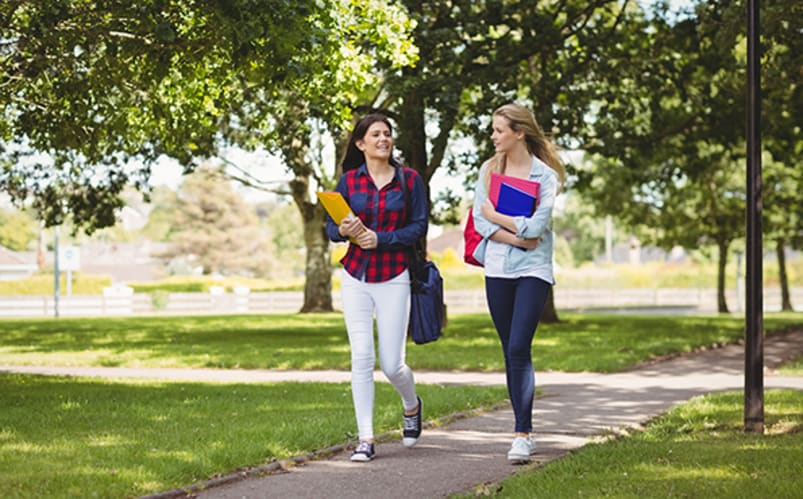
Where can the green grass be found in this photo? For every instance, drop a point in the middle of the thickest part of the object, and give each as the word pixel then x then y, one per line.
pixel 793 367
pixel 581 342
pixel 697 450
pixel 68 437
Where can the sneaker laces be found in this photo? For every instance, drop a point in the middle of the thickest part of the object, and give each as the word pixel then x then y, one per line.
pixel 410 422
pixel 363 448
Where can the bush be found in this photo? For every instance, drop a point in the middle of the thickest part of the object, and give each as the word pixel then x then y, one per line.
pixel 159 299
pixel 201 284
pixel 42 284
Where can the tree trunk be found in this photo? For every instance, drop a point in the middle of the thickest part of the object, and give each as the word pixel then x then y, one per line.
pixel 318 282
pixel 318 272
pixel 722 304
pixel 786 302
pixel 412 138
pixel 550 313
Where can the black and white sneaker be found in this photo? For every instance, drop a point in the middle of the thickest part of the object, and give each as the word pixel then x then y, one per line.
pixel 363 453
pixel 412 427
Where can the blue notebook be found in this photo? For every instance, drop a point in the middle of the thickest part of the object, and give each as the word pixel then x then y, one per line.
pixel 514 201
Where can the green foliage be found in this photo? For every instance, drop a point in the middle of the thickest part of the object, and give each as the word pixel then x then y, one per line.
pixel 667 134
pixel 42 284
pixel 147 437
pixel 698 449
pixel 18 230
pixel 287 236
pixel 793 368
pixel 216 229
pixel 579 225
pixel 563 252
pixel 448 260
pixel 161 223
pixel 159 299
pixel 96 84
pixel 201 284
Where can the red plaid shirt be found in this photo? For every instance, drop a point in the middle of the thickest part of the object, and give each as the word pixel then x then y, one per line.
pixel 384 212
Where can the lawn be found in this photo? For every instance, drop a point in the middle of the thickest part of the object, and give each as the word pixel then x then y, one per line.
pixel 793 367
pixel 580 342
pixel 698 449
pixel 66 437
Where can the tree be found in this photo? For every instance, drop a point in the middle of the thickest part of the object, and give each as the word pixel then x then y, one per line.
pixel 217 228
pixel 477 55
pixel 142 79
pixel 18 230
pixel 287 236
pixel 782 123
pixel 580 226
pixel 86 86
pixel 161 223
pixel 297 121
pixel 667 134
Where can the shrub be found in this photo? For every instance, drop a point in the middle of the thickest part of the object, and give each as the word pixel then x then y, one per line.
pixel 42 284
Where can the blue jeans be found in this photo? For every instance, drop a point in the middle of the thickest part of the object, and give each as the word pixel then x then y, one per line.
pixel 516 306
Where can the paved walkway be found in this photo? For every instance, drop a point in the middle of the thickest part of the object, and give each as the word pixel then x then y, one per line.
pixel 470 452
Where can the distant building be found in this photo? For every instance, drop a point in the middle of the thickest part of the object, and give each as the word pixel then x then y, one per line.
pixel 124 262
pixel 14 265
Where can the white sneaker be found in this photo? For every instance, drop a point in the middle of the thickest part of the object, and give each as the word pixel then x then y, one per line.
pixel 521 450
pixel 532 444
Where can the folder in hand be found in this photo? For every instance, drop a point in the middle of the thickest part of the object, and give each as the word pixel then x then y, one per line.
pixel 335 206
pixel 514 201
pixel 531 187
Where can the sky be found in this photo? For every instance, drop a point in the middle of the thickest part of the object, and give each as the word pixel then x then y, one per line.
pixel 270 169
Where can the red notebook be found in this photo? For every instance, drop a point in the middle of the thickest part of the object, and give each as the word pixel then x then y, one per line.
pixel 528 186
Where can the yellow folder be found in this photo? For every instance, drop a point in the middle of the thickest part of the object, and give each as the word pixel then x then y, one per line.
pixel 335 205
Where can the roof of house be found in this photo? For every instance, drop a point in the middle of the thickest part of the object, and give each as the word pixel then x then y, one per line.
pixel 10 257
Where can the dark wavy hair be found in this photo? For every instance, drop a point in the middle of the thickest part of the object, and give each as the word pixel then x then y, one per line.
pixel 353 157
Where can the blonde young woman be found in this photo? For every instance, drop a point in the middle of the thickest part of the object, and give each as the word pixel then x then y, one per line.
pixel 516 253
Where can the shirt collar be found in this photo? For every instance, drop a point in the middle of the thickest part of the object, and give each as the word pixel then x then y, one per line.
pixel 362 170
pixel 536 166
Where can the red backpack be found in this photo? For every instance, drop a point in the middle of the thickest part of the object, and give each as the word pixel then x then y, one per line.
pixel 471 238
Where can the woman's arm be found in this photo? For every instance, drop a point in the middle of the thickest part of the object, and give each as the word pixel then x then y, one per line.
pixel 541 219
pixel 504 236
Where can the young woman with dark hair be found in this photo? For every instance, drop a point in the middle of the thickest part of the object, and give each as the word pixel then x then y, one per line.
pixel 375 281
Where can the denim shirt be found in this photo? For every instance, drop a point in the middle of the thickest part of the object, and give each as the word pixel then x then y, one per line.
pixel 539 224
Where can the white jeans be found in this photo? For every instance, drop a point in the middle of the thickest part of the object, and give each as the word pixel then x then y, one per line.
pixel 391 301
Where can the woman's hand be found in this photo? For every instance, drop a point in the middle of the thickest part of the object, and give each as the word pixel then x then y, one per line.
pixel 368 239
pixel 490 214
pixel 488 211
pixel 507 237
pixel 528 243
pixel 351 227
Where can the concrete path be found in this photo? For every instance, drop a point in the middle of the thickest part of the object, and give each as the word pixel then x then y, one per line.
pixel 470 452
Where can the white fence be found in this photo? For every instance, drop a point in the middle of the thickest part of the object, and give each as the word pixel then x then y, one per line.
pixel 704 300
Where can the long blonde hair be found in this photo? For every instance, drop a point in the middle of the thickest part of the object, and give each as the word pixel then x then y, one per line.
pixel 522 119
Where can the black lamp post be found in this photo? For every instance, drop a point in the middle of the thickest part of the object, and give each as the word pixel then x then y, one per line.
pixel 754 320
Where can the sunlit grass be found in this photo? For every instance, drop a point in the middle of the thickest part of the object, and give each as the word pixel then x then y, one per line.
pixel 699 449
pixel 67 437
pixel 793 368
pixel 580 342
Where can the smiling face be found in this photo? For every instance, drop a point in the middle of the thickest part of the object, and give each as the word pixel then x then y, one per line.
pixel 504 137
pixel 377 142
